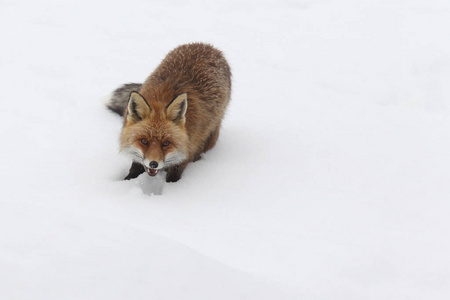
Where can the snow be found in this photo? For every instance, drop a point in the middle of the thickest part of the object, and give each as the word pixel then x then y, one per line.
pixel 329 180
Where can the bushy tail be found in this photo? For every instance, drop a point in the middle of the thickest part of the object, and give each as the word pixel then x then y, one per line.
pixel 119 98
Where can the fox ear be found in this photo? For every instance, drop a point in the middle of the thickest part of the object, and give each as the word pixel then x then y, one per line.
pixel 176 110
pixel 138 108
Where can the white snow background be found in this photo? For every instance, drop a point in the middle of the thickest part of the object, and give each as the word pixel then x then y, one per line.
pixel 330 179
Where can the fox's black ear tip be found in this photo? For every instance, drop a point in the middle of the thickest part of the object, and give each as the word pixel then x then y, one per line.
pixel 137 97
pixel 134 94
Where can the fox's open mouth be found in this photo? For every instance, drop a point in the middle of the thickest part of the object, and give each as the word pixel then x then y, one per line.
pixel 151 172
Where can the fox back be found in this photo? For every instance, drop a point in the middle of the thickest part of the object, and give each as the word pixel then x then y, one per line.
pixel 175 115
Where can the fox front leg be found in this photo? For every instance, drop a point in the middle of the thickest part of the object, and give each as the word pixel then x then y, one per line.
pixel 174 172
pixel 135 170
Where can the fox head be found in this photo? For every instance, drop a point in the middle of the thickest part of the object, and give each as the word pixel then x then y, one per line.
pixel 154 135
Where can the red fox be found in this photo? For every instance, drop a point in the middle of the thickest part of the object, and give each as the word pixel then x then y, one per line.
pixel 175 115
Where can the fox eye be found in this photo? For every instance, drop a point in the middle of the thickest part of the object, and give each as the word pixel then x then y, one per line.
pixel 166 143
pixel 144 141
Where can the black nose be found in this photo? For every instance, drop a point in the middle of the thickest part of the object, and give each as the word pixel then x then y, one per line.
pixel 153 164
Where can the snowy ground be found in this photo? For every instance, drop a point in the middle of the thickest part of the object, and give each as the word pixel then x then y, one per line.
pixel 330 179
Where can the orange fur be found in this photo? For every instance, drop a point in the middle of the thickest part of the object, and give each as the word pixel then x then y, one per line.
pixel 156 113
